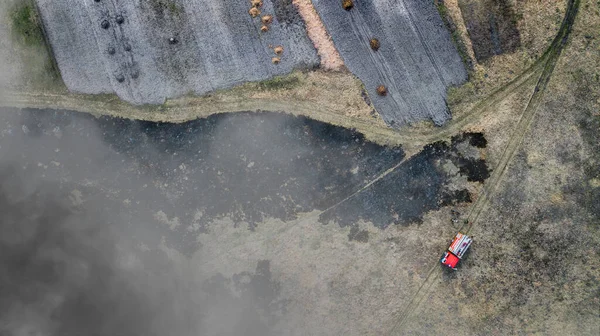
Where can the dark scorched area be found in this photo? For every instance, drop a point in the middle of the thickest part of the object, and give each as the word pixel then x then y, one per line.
pixel 492 27
pixel 248 167
pixel 417 186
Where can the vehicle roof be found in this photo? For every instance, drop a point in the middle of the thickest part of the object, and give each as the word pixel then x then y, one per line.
pixel 460 244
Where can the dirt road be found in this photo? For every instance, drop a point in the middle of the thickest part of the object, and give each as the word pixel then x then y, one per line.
pixel 551 58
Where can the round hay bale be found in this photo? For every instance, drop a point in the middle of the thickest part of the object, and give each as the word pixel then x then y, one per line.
pixel 104 24
pixel 119 19
pixel 111 50
pixel 256 3
pixel 374 44
pixel 275 60
pixel 278 50
pixel 347 4
pixel 254 12
pixel 264 29
pixel 381 90
pixel 267 19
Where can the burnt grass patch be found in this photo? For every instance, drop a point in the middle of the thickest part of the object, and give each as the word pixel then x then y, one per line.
pixel 256 165
pixel 589 194
pixel 416 187
pixel 249 167
pixel 358 235
pixel 478 140
pixel 589 126
pixel 255 294
pixel 492 27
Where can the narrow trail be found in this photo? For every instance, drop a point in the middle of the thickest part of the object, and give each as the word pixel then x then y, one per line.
pixel 185 109
pixel 315 215
pixel 527 116
pixel 179 111
pixel 369 184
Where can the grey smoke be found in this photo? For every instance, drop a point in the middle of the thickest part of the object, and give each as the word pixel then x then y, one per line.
pixel 60 269
pixel 69 271
pixel 72 263
pixel 66 267
pixel 72 260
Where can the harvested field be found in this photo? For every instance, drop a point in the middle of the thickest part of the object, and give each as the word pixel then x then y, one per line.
pixel 330 58
pixel 169 48
pixel 416 61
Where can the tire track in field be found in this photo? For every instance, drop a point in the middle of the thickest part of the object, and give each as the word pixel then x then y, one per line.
pixel 527 116
pixel 426 46
pixel 515 141
pixel 369 184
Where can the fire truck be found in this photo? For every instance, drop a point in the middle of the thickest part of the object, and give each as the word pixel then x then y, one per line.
pixel 459 246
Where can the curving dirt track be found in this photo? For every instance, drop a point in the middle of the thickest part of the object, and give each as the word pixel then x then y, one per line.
pixel 178 111
pixel 549 62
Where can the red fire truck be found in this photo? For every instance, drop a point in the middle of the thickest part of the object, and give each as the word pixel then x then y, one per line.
pixel 458 248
